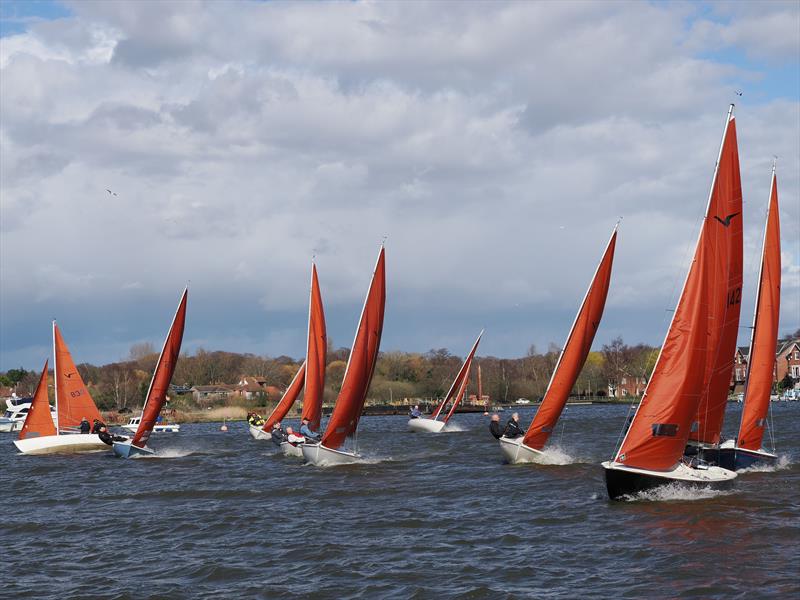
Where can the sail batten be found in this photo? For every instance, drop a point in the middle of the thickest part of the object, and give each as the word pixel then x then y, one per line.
pixel 162 375
pixel 661 426
pixel 361 362
pixel 764 336
pixel 576 349
pixel 39 421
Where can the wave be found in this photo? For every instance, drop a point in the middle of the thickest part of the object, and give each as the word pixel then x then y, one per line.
pixel 453 428
pixel 783 463
pixel 676 491
pixel 168 453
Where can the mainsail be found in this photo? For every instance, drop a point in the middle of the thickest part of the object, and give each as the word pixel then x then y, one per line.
pixel 725 323
pixel 39 421
pixel 159 385
pixel 316 353
pixel 73 401
pixel 459 386
pixel 660 429
pixel 761 361
pixel 361 363
pixel 576 349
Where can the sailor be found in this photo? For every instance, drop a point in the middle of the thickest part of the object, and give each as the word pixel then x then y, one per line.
pixel 513 430
pixel 294 438
pixel 109 438
pixel 278 436
pixel 97 426
pixel 305 430
pixel 415 414
pixel 251 418
pixel 494 427
pixel 85 426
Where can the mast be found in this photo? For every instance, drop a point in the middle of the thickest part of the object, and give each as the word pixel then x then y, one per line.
pixel 55 376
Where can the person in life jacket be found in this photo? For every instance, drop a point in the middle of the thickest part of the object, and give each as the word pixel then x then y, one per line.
pixel 415 413
pixel 294 438
pixel 97 426
pixel 305 430
pixel 277 435
pixel 109 438
pixel 513 430
pixel 85 426
pixel 494 427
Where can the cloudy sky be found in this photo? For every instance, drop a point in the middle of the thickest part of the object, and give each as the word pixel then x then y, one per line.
pixel 495 145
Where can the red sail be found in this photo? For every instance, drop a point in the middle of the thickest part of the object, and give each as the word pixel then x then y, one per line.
pixel 576 349
pixel 316 354
pixel 761 361
pixel 73 401
pixel 39 421
pixel 288 398
pixel 165 367
pixel 462 379
pixel 660 429
pixel 361 364
pixel 725 325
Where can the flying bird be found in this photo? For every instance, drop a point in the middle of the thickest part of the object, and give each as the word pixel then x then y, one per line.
pixel 738 92
pixel 110 193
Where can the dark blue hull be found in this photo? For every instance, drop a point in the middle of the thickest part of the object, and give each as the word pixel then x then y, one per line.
pixel 735 459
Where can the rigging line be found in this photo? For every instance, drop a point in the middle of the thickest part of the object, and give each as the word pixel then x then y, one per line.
pixel 622 431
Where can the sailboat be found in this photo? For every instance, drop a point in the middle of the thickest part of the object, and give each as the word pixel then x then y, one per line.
pixel 284 405
pixel 357 377
pixel 73 403
pixel 159 386
pixel 746 450
pixel 579 341
pixel 455 393
pixel 651 453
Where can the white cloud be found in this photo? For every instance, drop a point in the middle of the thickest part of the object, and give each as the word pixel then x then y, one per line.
pixel 496 144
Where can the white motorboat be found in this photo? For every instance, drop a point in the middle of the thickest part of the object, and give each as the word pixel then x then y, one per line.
pixel 163 427
pixel 17 410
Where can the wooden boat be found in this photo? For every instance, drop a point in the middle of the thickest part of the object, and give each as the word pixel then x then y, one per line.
pixel 73 403
pixel 746 450
pixel 357 377
pixel 570 362
pixel 159 386
pixel 310 376
pixel 651 453
pixel 456 393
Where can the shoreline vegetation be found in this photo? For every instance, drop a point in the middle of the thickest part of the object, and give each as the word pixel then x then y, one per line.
pixel 216 385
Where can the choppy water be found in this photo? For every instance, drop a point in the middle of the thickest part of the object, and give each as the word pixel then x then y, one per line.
pixel 428 516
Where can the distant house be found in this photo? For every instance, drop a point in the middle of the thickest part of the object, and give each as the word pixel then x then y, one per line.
pixel 6 392
pixel 250 387
pixel 206 394
pixel 739 373
pixel 788 361
pixel 628 387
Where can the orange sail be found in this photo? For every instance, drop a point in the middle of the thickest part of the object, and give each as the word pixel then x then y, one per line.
pixel 761 362
pixel 73 401
pixel 316 354
pixel 576 349
pixel 288 398
pixel 459 386
pixel 361 364
pixel 39 421
pixel 165 367
pixel 725 324
pixel 660 429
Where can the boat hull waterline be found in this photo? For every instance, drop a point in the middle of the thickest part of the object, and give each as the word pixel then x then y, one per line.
pixel 624 482
pixel 320 456
pixel 516 452
pixel 61 444
pixel 423 425
pixel 290 450
pixel 128 450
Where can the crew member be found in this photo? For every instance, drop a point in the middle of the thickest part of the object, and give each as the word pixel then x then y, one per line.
pixel 305 430
pixel 415 414
pixel 494 427
pixel 513 430
pixel 85 426
pixel 277 435
pixel 294 438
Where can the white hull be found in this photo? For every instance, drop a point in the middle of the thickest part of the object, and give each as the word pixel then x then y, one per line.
pixel 289 450
pixel 320 456
pixel 516 452
pixel 7 426
pixel 423 425
pixel 258 433
pixel 61 444
pixel 172 428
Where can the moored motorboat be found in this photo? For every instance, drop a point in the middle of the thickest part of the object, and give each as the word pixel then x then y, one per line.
pixel 651 453
pixel 17 409
pixel 528 449
pixel 457 391
pixel 159 427
pixel 357 377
